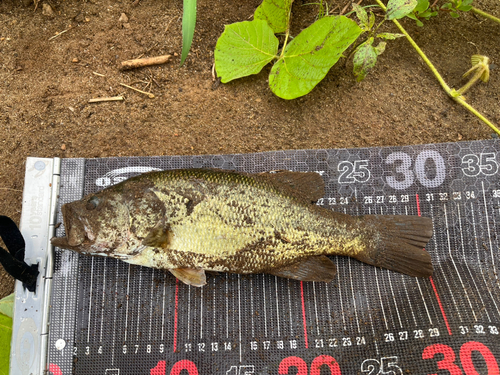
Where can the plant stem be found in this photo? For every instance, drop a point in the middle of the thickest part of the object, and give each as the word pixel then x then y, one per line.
pixel 447 89
pixel 486 15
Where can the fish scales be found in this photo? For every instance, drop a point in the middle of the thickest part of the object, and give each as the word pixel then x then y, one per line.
pixel 195 220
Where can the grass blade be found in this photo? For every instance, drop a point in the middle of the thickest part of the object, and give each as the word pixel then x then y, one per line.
pixel 188 24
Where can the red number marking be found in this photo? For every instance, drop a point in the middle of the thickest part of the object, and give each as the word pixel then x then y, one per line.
pixel 54 369
pixel 466 358
pixel 447 363
pixel 325 360
pixel 184 365
pixel 159 369
pixel 293 362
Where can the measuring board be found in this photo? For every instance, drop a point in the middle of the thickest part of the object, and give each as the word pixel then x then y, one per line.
pixel 109 317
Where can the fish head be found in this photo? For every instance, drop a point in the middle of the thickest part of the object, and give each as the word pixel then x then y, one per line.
pixel 98 224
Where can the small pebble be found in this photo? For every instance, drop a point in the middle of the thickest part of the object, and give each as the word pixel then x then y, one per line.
pixel 63 147
pixel 47 10
pixel 123 18
pixel 75 60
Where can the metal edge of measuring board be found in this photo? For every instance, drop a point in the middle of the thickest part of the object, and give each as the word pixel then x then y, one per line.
pixel 30 323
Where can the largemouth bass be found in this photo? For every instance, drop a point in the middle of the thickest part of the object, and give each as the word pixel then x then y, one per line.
pixel 192 220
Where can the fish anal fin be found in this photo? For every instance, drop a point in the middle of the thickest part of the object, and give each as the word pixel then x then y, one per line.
pixel 190 276
pixel 317 268
pixel 307 185
pixel 159 237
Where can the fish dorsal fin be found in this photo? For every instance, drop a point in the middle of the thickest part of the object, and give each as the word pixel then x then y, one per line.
pixel 306 185
pixel 190 276
pixel 318 268
pixel 159 237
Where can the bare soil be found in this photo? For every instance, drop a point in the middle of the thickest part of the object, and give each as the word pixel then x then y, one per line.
pixel 45 85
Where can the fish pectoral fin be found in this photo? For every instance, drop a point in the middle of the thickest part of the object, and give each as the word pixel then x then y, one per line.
pixel 190 276
pixel 318 268
pixel 159 237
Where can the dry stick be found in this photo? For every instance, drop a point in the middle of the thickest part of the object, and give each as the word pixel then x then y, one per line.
pixel 138 63
pixel 58 34
pixel 150 95
pixel 108 99
pixel 452 93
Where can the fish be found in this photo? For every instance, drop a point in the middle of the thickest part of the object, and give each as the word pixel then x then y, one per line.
pixel 189 221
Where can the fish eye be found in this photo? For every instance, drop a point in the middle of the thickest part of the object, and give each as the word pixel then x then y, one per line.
pixel 92 203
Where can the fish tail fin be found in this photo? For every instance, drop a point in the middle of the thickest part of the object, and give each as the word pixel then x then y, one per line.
pixel 401 244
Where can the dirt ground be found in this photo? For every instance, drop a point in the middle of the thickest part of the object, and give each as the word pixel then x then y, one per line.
pixel 45 85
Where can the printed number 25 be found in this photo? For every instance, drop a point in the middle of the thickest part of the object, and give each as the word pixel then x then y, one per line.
pixel 386 366
pixel 353 172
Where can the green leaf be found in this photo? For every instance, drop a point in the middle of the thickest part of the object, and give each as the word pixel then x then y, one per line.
pixel 276 13
pixel 7 305
pixel 372 20
pixel 389 36
pixel 365 58
pixel 362 16
pixel 188 24
pixel 422 5
pixel 309 56
pixel 5 338
pixel 380 48
pixel 244 48
pixel 397 9
pixel 464 8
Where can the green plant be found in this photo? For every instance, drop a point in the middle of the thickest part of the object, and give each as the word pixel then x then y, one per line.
pixel 6 315
pixel 246 47
pixel 188 26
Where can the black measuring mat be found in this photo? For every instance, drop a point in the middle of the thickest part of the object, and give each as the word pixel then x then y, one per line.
pixel 126 319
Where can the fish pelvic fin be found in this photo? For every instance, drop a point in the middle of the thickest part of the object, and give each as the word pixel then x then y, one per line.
pixel 317 268
pixel 401 244
pixel 190 276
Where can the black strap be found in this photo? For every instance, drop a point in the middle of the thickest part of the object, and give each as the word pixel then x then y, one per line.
pixel 13 260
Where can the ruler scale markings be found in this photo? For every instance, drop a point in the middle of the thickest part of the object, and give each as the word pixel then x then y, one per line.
pixel 304 321
pixel 420 289
pixel 391 287
pixel 239 319
pixel 115 313
pixel 327 306
pixel 90 297
pixel 443 273
pixel 103 297
pixel 467 265
pixel 453 261
pixel 315 306
pixel 214 309
pixel 251 307
pixel 350 278
pixel 378 289
pixel 289 309
pixel 277 305
pixel 227 307
pixel 408 299
pixel 139 304
pixel 430 278
pixel 176 312
pixel 127 298
pixel 340 292
pixel 201 313
pixel 189 312
pixel 264 299
pixel 151 307
pixel 495 270
pixel 478 259
pixel 163 306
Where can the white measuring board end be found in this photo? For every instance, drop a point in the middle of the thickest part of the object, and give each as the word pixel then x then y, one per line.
pixel 30 324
